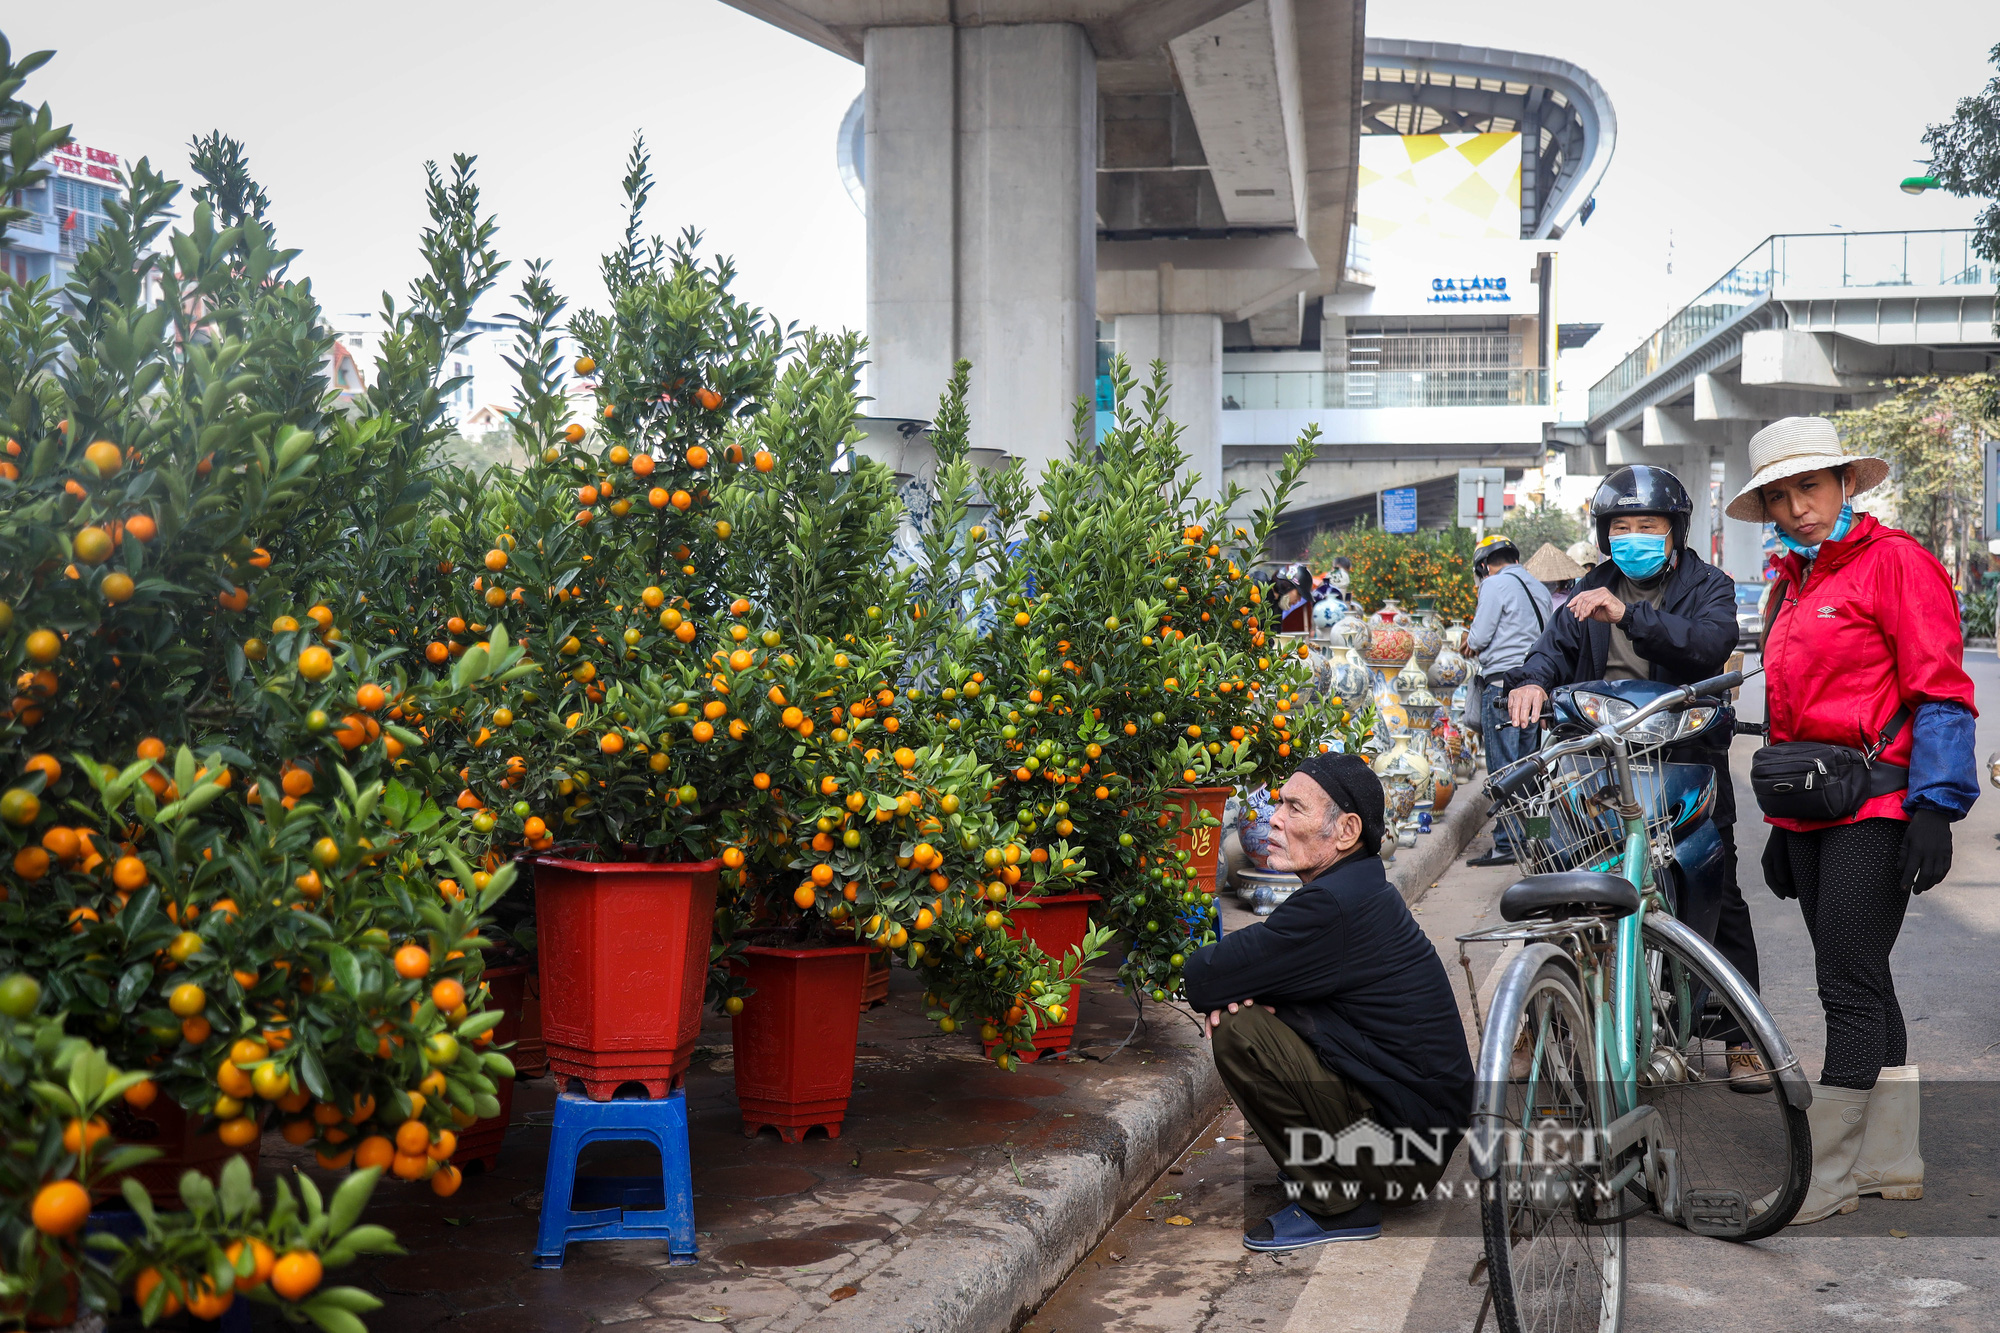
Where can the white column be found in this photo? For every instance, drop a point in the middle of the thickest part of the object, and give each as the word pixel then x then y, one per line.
pixel 1191 347
pixel 912 230
pixel 982 159
pixel 1742 543
pixel 1694 468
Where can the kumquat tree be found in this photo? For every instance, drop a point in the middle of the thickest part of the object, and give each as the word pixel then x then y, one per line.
pixel 221 865
pixel 706 567
pixel 1129 659
pixel 294 700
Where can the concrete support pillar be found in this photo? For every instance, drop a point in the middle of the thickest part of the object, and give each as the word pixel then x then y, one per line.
pixel 982 159
pixel 1333 341
pixel 1191 347
pixel 1742 543
pixel 1695 464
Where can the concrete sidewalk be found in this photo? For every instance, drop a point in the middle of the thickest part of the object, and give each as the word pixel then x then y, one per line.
pixel 958 1197
pixel 1151 1276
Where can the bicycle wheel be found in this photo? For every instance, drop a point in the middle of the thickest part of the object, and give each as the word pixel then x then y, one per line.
pixel 1550 1270
pixel 1744 1156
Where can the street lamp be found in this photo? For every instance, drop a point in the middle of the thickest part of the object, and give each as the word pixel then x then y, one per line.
pixel 1918 184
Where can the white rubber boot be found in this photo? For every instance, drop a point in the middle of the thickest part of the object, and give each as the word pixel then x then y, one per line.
pixel 1837 1116
pixel 1889 1164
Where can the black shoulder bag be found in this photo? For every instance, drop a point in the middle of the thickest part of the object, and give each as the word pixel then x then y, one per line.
pixel 1817 782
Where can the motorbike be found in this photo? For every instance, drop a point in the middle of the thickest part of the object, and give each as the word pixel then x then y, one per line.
pixel 1680 796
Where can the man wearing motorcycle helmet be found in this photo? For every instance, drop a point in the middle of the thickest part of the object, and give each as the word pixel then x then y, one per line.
pixel 1654 611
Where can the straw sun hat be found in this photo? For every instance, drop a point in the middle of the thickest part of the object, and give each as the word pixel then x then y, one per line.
pixel 1793 446
pixel 1550 565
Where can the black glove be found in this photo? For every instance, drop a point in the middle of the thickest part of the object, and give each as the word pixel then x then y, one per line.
pixel 1778 864
pixel 1926 849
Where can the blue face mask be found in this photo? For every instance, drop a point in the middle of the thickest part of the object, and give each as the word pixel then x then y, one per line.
pixel 1840 527
pixel 1639 555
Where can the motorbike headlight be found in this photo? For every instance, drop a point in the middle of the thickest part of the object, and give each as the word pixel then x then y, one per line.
pixel 1669 727
pixel 1693 720
pixel 1602 709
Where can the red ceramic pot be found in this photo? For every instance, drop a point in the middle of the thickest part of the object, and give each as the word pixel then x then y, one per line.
pixel 623 958
pixel 1202 844
pixel 531 1052
pixel 875 986
pixel 794 1040
pixel 480 1141
pixel 1386 646
pixel 182 1146
pixel 1056 925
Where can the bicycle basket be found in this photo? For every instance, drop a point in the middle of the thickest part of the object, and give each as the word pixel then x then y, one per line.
pixel 1568 823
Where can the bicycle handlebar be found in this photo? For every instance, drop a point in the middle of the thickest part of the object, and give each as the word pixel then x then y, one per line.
pixel 1518 778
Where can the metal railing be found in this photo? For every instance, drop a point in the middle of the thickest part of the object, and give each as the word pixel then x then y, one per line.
pixel 1353 389
pixel 1852 260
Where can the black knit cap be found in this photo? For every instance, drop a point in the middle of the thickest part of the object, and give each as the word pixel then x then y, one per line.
pixel 1355 789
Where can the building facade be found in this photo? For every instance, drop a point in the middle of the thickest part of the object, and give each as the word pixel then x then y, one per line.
pixel 65 213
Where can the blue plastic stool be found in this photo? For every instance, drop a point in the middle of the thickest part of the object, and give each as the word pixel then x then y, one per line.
pixel 618 1207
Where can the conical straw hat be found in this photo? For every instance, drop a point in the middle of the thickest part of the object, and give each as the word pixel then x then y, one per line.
pixel 1550 565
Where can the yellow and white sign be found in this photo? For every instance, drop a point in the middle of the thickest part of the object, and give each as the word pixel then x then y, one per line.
pixel 1453 187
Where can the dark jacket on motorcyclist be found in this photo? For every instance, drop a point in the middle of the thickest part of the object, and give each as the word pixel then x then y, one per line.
pixel 1679 624
pixel 1687 637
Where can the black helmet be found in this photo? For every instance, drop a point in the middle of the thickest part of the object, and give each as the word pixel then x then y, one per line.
pixel 1641 489
pixel 1493 545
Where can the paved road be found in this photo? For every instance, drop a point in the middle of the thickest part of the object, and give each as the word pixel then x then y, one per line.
pixel 1151 1274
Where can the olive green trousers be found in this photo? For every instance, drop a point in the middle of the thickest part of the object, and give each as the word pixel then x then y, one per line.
pixel 1299 1110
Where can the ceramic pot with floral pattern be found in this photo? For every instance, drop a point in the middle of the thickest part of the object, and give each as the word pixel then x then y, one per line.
pixel 1429 638
pixel 1448 670
pixel 1386 647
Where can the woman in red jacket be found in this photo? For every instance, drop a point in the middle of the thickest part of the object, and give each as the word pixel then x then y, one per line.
pixel 1864 642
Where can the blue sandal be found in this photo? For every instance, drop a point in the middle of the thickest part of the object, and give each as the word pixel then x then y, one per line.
pixel 1293 1228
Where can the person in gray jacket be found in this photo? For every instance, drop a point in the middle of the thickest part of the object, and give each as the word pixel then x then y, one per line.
pixel 1514 609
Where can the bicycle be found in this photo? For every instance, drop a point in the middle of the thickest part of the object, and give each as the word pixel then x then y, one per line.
pixel 1607 1039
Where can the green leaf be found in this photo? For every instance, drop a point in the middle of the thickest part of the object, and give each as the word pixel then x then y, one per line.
pixel 315 1209
pixel 498 1065
pixel 484 1021
pixel 371 1239
pixel 345 969
pixel 124 1157
pixel 198 1194
pixel 496 886
pixel 239 1192
pixel 313 1074
pixel 485 1105
pixel 331 1317
pixel 471 667
pixel 350 1199
pixel 350 1299
pixel 133 984
pixel 139 1202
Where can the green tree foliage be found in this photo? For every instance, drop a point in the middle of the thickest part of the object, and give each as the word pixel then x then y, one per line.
pixel 1530 527
pixel 1408 567
pixel 1965 158
pixel 1930 430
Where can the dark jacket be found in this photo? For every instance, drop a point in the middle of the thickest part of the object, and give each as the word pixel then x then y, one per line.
pixel 1347 968
pixel 1687 637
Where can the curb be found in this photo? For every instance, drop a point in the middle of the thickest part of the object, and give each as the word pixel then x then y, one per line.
pixel 990 1251
pixel 994 1247
pixel 1419 867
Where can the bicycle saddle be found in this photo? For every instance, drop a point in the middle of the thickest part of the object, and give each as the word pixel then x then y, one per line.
pixel 1568 893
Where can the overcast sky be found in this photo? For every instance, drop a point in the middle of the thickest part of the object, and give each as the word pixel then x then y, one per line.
pixel 1735 120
